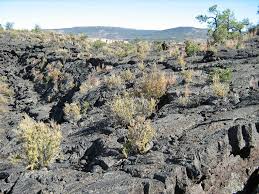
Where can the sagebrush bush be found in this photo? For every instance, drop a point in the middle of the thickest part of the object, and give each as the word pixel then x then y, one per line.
pixel 53 73
pixel 127 75
pixel 140 135
pixel 153 84
pixel 113 80
pixel 191 48
pixel 225 75
pixel 41 142
pixel 174 52
pixel 98 44
pixel 141 66
pixel 5 90
pixel 187 75
pixel 143 47
pixel 5 94
pixel 90 83
pixel 121 49
pixel 181 61
pixel 125 108
pixel 220 89
pixel 85 106
pixel 185 98
pixel 72 112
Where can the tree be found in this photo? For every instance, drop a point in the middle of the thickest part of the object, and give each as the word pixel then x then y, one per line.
pixel 36 28
pixel 9 25
pixel 222 24
pixel 1 27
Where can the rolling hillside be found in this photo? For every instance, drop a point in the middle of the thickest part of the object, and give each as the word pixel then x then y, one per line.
pixel 177 34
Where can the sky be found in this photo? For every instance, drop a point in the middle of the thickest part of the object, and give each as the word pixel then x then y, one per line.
pixel 138 14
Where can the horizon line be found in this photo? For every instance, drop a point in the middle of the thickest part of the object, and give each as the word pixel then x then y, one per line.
pixel 129 28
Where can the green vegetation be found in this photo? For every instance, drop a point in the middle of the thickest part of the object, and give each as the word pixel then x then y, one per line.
pixel 153 84
pixel 191 48
pixel 90 83
pixel 143 47
pixel 225 75
pixel 113 80
pixel 140 134
pixel 41 142
pixel 72 112
pixel 36 28
pixel 9 25
pixel 220 88
pixel 222 24
pixel 6 94
pixel 98 44
pixel 125 108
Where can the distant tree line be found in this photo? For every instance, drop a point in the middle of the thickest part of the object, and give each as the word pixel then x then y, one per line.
pixel 10 26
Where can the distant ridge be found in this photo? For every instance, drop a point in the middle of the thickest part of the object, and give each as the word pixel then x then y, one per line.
pixel 177 34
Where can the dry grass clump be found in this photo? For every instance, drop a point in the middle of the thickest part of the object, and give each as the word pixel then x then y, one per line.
pixel 54 74
pixel 143 47
pixel 90 83
pixel 171 79
pixel 187 75
pixel 85 106
pixel 154 84
pixel 140 134
pixel 127 75
pixel 125 108
pixel 174 52
pixel 220 89
pixel 120 49
pixel 5 94
pixel 72 112
pixel 191 48
pixel 181 61
pixel 141 66
pixel 113 80
pixel 234 43
pixel 41 142
pixel 184 100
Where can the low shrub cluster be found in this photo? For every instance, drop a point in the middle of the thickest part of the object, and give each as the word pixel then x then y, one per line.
pixel 6 94
pixel 72 112
pixel 113 80
pixel 90 83
pixel 41 142
pixel 153 84
pixel 125 108
pixel 225 75
pixel 220 89
pixel 140 134
pixel 191 48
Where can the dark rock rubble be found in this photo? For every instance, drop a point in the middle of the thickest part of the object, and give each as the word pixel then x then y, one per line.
pixel 210 146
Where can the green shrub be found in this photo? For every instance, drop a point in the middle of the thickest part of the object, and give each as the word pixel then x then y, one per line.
pixel 98 44
pixel 153 84
pixel 220 89
pixel 225 75
pixel 140 134
pixel 41 142
pixel 113 80
pixel 125 108
pixel 72 112
pixel 143 47
pixel 191 48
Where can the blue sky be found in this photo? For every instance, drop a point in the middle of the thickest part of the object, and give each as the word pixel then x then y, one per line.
pixel 140 14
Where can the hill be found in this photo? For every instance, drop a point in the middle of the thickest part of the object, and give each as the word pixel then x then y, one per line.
pixel 177 34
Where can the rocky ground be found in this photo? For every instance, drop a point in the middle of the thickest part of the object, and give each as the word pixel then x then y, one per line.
pixel 208 146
